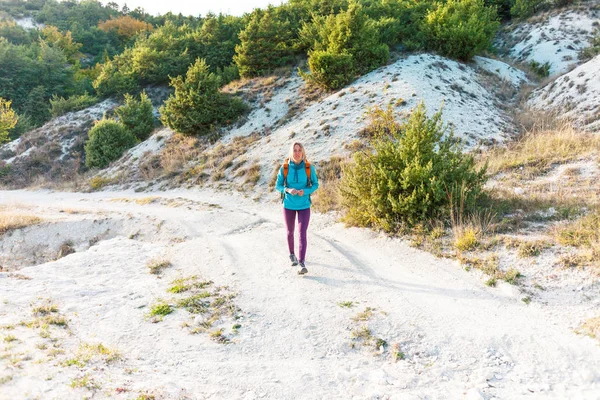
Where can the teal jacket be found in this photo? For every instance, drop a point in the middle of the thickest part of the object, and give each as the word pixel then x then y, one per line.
pixel 297 179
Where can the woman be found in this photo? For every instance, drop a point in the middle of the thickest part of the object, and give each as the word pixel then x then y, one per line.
pixel 296 180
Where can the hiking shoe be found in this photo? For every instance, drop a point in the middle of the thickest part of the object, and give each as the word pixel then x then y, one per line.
pixel 302 270
pixel 294 260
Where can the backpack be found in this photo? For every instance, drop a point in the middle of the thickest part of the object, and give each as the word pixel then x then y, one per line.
pixel 286 167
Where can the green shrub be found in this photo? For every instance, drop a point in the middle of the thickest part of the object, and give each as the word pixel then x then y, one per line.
pixel 343 46
pixel 60 105
pixel 8 119
pixel 136 115
pixel 197 106
pixel 107 141
pixel 265 44
pixel 409 175
pixel 542 70
pixel 112 81
pixel 526 8
pixel 460 28
pixel 331 70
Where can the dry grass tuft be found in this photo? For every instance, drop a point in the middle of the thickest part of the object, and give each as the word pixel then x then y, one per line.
pixel 10 221
pixel 591 327
pixel 541 147
pixel 328 197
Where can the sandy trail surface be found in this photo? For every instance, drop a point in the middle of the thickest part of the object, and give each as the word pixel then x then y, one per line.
pixel 373 319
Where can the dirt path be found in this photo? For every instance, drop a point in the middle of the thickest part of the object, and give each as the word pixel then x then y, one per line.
pixel 459 338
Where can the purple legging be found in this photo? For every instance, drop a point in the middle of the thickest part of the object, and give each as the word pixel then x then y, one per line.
pixel 290 221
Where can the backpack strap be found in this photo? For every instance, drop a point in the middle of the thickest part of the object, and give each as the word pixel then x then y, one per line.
pixel 286 168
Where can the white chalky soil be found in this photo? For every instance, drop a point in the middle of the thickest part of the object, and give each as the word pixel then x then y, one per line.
pixel 459 338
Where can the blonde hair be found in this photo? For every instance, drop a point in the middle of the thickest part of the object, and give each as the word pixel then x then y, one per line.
pixel 291 155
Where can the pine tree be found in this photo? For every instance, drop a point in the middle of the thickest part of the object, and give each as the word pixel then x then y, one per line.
pixel 197 106
pixel 265 44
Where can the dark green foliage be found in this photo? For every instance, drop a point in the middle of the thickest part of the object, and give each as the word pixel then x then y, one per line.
pixel 36 106
pixel 219 37
pixel 14 33
pixel 460 28
pixel 136 115
pixel 541 70
pixel 111 81
pixel 265 44
pixel 502 7
pixel 197 106
pixel 60 105
pixel 409 175
pixel 526 8
pixel 24 124
pixel 107 141
pixel 349 33
pixel 331 70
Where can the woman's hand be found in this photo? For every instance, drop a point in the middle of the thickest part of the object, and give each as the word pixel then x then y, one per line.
pixel 300 192
pixel 291 191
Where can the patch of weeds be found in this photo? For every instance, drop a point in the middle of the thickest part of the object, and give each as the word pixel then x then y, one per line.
pixel 88 352
pixel 73 362
pixel 572 261
pixel 235 328
pixel 146 397
pixel 5 379
pixel 217 336
pixel 365 315
pixel 157 265
pixel 98 182
pixel 511 276
pixel 45 309
pixel 526 300
pixel 582 232
pixel 532 249
pixel 346 304
pixel 85 382
pixel 362 334
pixel 379 343
pixel 397 353
pixel 491 282
pixel 159 310
pixel 591 328
pixel 10 338
pixel 466 239
pixel 195 304
pixel 538 286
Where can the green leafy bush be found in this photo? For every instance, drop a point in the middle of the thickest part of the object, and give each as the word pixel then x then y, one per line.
pixel 331 70
pixel 410 174
pixel 136 115
pixel 108 139
pixel 350 37
pixel 460 28
pixel 526 8
pixel 197 106
pixel 542 70
pixel 60 105
pixel 112 81
pixel 8 119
